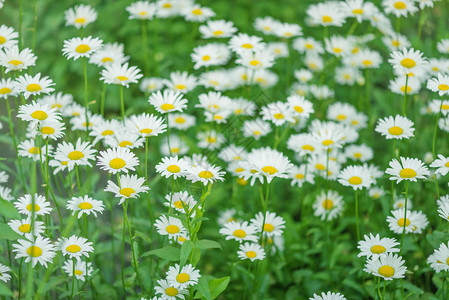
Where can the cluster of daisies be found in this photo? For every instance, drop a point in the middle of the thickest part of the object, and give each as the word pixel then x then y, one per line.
pixel 314 150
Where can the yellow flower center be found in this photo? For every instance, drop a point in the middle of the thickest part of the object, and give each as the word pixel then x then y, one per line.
pixel 443 87
pixel 395 43
pixel 167 5
pixel 298 109
pixel 30 207
pixel 308 46
pixel 268 227
pixel 395 130
pixel 2 40
pixel 73 248
pixel 327 19
pixel 80 20
pixel 206 174
pixel 34 150
pixel 83 48
pixel 444 107
pixel 197 11
pixel 117 163
pixel 367 62
pixel 337 50
pixel 179 204
pixel 107 59
pixel 341 117
pixel 242 181
pixel 122 78
pixel 358 155
pixel 386 271
pixel 238 170
pixel 408 63
pixel 407 173
pixel 180 120
pixel 327 204
pixel 173 169
pixel 127 191
pixel 175 150
pixel 167 106
pixel 239 233
pixel 47 130
pixel 446 164
pixel 180 86
pixel 357 11
pixel 85 205
pixel 400 5
pixel 327 142
pixel 34 251
pixel 75 155
pixel 211 139
pixel 206 57
pixel 401 222
pixel 107 132
pixel 409 89
pixel 171 291
pixel 378 249
pixel 125 144
pixel 308 147
pixel 78 272
pixel 254 62
pixel 33 87
pixel 270 170
pixel 15 62
pixel 278 116
pixel 172 229
pixel 247 46
pixel 320 167
pixel 39 115
pixel 182 277
pixel 218 32
pixel 299 176
pixel 251 254
pixel 25 228
pixel 355 180
pixel 257 132
pixel 5 90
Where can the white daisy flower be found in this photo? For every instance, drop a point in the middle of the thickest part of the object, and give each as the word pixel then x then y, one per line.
pixel 181 201
pixel 408 169
pixel 407 61
pixel 328 296
pixel 177 146
pixel 14 60
pixel 272 224
pixel 328 205
pixel 129 186
pixel 27 227
pixel 41 251
pixel 442 165
pixel 256 128
pixel 120 74
pixel 439 84
pixel 85 205
pixel 399 8
pixel 4 276
pixel 210 139
pixel 168 101
pixel 151 84
pixel 217 29
pixel 181 82
pixel 205 173
pixel 397 127
pixel 111 53
pixel 124 138
pixel 287 30
pixel 255 60
pixel 80 16
pixel 361 152
pixel 239 231
pixel 412 223
pixel 172 166
pixel 28 148
pixel 82 269
pixel 197 13
pixel 8 37
pixel 75 155
pixel 299 176
pixel 5 193
pixel 389 267
pixel 141 10
pixel 374 247
pixel 181 121
pixel 29 85
pixel 300 105
pixel 7 88
pixel 168 291
pixel 81 47
pixel 376 192
pixel 25 205
pixel 36 113
pixel 278 113
pixel 251 251
pixel 74 247
pixel 146 125
pixel 184 277
pixel 244 42
pixel 170 226
pixel 117 160
pixel 356 177
pixel 326 14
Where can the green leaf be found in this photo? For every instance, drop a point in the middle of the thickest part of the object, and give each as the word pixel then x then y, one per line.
pixel 207 244
pixel 203 288
pixel 186 249
pixel 168 253
pixel 4 290
pixel 217 286
pixel 7 233
pixel 8 210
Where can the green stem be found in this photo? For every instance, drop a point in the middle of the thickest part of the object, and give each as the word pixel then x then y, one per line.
pixel 436 130
pixel 20 26
pixel 103 96
pixel 145 47
pixel 73 278
pixel 86 101
pixel 34 25
pixel 405 217
pixel 122 103
pixel 168 134
pixel 78 179
pixel 357 215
